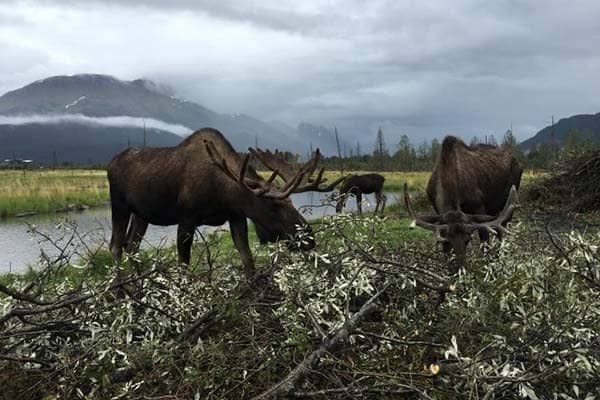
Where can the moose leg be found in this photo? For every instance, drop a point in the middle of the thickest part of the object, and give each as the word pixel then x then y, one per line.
pixel 135 234
pixel 379 202
pixel 239 233
pixel 341 202
pixel 185 237
pixel 383 201
pixel 359 202
pixel 120 220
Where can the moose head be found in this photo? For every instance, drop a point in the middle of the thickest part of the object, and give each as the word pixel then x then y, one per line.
pixel 454 228
pixel 270 207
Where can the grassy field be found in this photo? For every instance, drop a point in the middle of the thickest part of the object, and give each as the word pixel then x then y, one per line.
pixel 44 191
pixel 394 181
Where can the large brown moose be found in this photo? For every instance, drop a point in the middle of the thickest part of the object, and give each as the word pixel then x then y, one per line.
pixel 203 181
pixel 472 188
pixel 358 185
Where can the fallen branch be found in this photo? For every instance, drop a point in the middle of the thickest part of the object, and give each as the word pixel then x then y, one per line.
pixel 25 360
pixel 192 332
pixel 23 311
pixel 21 296
pixel 335 342
pixel 401 341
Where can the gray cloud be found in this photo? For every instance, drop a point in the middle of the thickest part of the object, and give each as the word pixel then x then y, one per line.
pixel 116 121
pixel 422 68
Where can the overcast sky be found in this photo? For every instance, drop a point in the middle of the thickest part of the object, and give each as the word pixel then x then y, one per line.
pixel 423 68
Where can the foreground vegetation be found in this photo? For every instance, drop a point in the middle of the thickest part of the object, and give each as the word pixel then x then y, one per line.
pixel 372 312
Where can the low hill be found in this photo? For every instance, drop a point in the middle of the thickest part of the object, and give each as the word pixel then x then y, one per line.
pixel 75 143
pixel 586 124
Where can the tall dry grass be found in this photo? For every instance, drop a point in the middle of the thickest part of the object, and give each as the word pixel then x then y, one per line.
pixel 45 191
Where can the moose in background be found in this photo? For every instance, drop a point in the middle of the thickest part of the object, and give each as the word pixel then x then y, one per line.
pixel 358 185
pixel 471 188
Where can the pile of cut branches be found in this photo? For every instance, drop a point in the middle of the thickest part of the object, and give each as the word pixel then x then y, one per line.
pixel 365 315
pixel 573 185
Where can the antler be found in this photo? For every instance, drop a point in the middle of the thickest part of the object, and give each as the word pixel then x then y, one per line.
pixel 494 224
pixel 437 223
pixel 314 185
pixel 275 161
pixel 431 222
pixel 264 189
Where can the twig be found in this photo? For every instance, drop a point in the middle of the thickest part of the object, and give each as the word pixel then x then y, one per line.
pixel 400 341
pixel 334 343
pixel 21 296
pixel 25 360
pixel 312 318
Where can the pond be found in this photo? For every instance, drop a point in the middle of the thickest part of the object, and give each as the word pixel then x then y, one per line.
pixel 24 240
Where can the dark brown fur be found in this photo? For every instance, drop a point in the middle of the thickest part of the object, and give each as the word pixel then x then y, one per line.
pixel 473 180
pixel 359 185
pixel 181 185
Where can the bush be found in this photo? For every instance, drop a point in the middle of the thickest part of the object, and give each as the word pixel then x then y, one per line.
pixel 366 315
pixel 573 185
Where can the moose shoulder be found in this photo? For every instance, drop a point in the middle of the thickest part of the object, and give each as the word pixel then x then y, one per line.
pixel 470 189
pixel 202 181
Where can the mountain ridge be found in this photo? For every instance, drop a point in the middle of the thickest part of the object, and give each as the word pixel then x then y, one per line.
pixel 103 96
pixel 587 124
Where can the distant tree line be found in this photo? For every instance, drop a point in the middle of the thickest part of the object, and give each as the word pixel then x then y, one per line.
pixel 406 156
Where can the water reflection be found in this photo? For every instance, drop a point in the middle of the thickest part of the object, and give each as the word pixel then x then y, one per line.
pixel 20 247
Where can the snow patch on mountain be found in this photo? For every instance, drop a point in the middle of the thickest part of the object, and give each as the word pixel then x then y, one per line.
pixel 67 106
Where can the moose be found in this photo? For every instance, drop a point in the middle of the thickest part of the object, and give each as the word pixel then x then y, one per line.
pixel 352 184
pixel 471 188
pixel 204 181
pixel 358 185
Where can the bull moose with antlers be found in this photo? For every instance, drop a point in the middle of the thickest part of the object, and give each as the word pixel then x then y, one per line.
pixel 204 181
pixel 472 188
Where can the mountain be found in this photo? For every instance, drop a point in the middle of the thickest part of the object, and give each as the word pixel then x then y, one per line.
pixel 74 143
pixel 63 113
pixel 584 123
